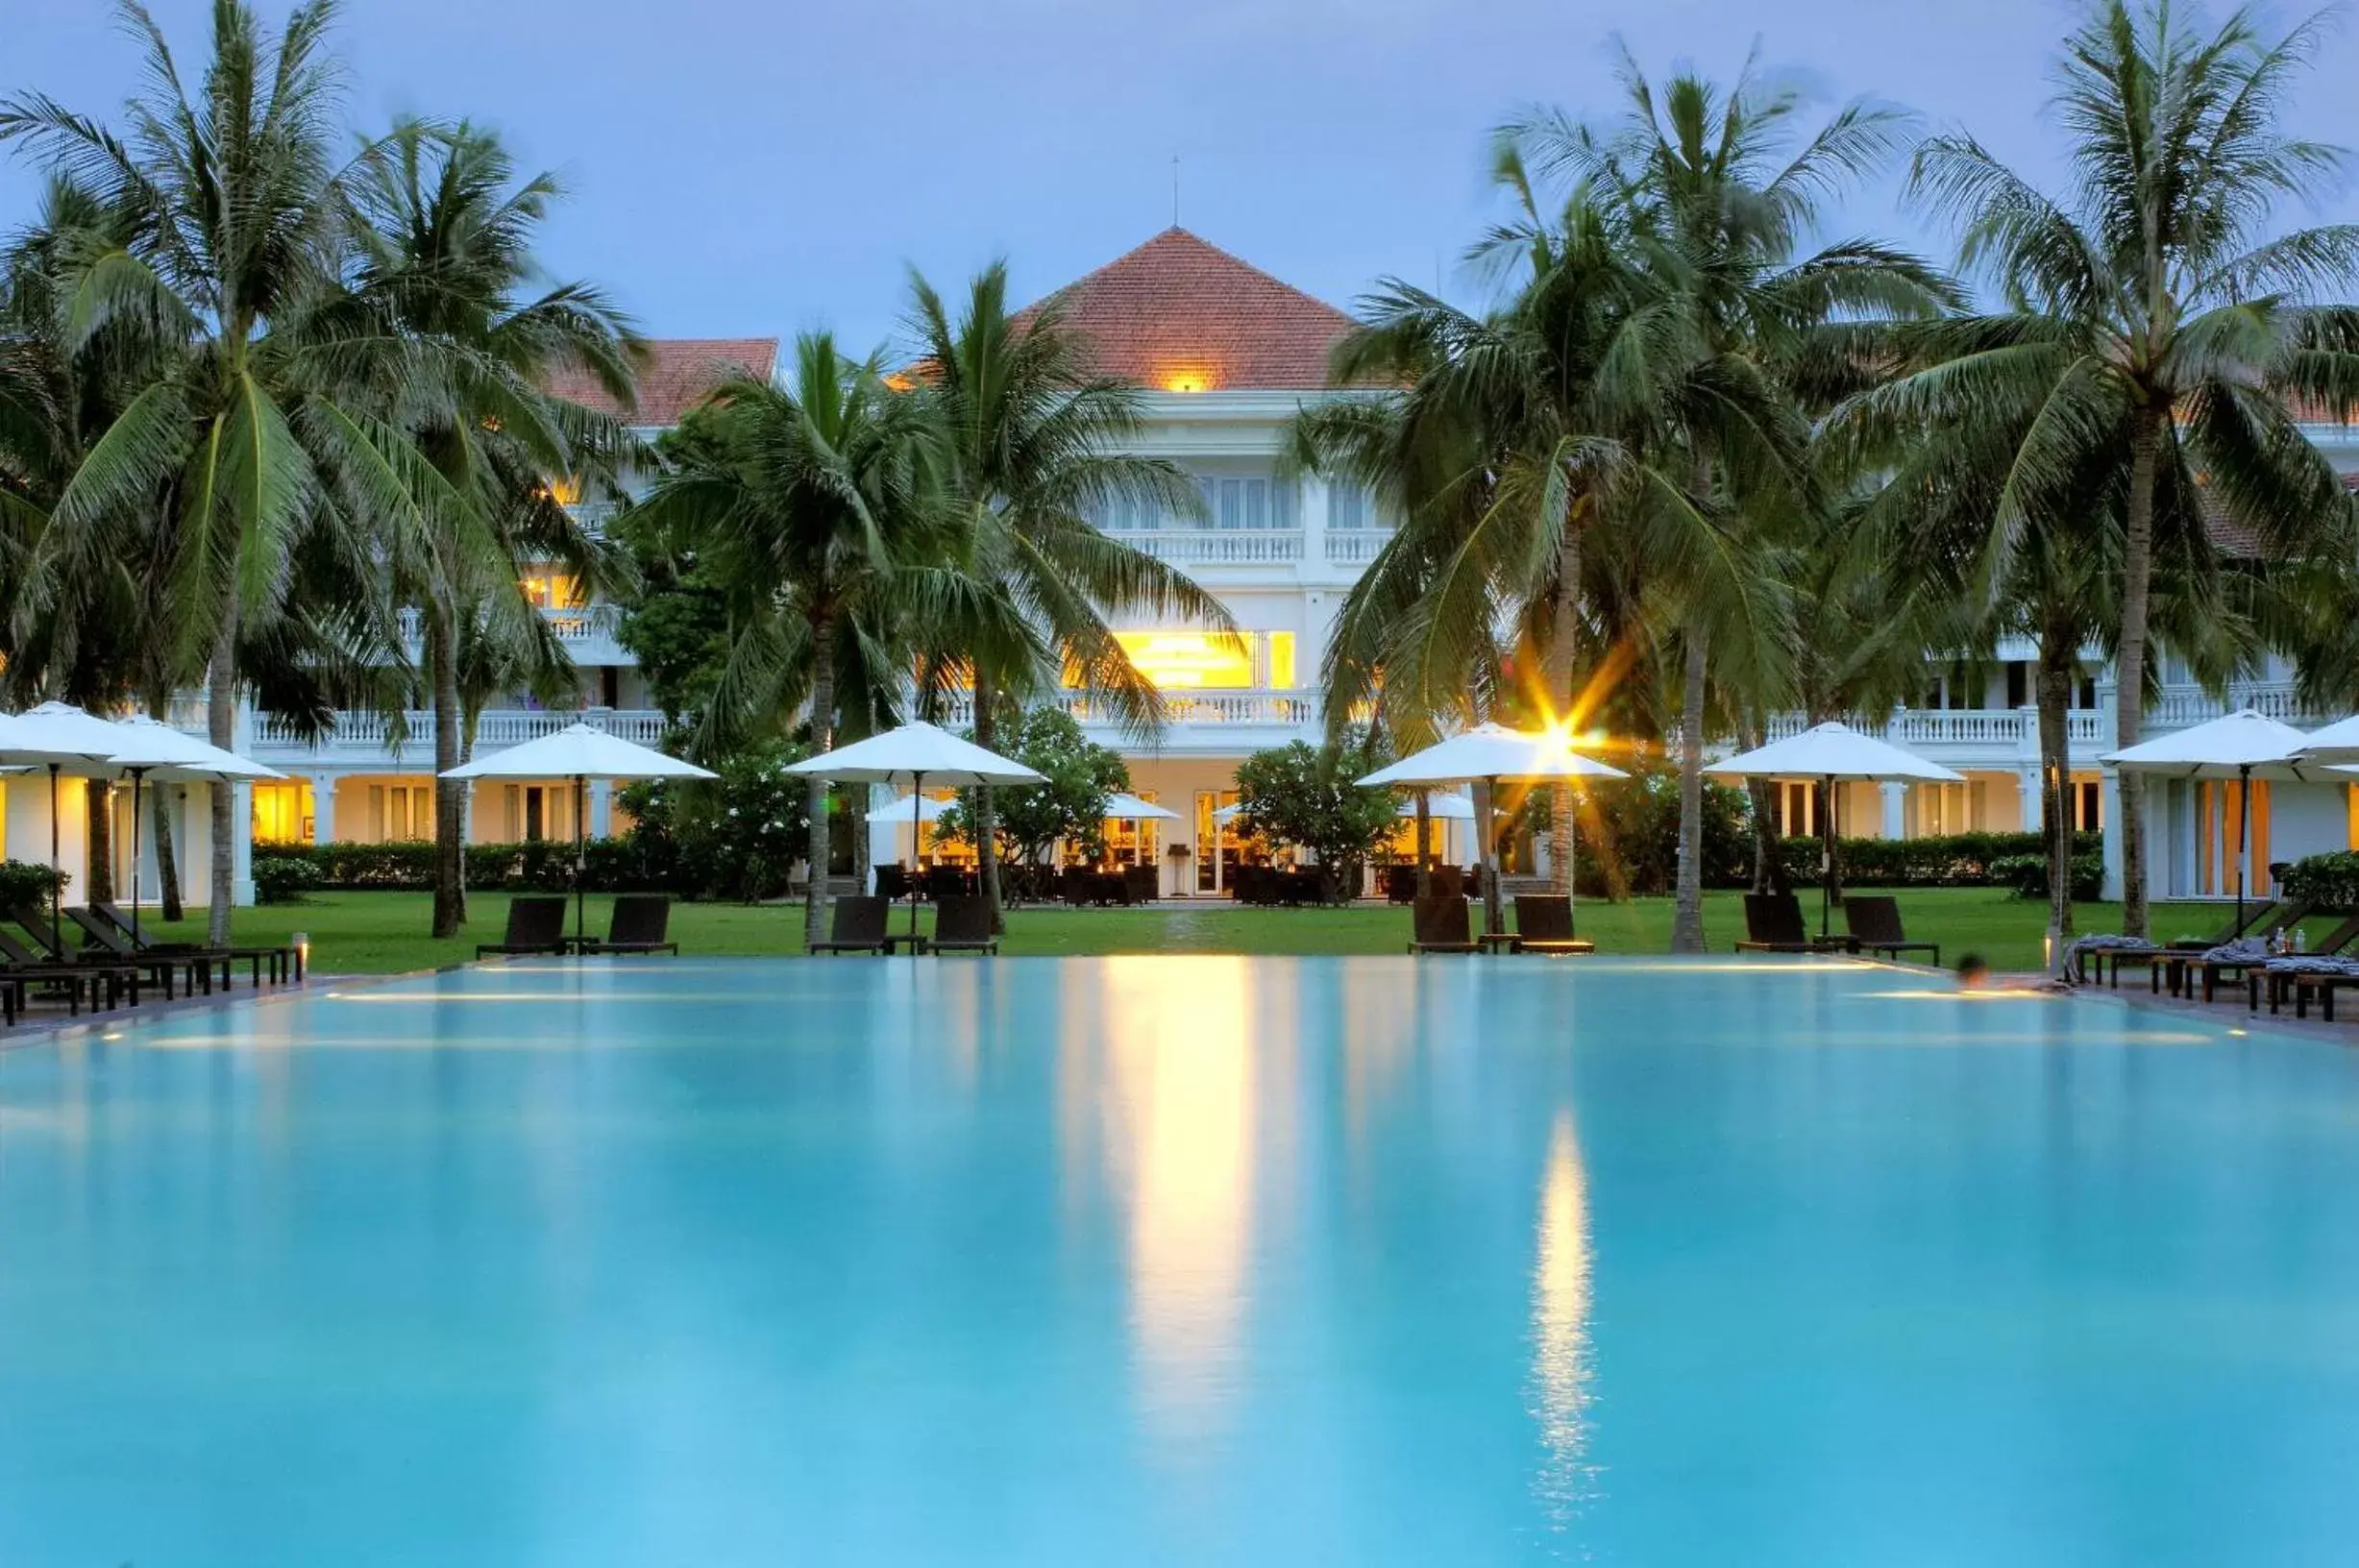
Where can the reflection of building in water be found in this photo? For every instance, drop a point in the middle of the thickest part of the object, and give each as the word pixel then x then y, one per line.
pixel 1560 1322
pixel 1179 1130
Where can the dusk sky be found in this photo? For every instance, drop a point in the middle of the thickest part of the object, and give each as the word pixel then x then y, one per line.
pixel 747 168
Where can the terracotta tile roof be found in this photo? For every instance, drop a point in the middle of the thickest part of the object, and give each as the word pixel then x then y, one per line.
pixel 677 372
pixel 1180 314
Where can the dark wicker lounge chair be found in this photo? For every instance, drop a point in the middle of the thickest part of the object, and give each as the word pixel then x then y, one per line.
pixel 1773 924
pixel 537 926
pixel 1441 925
pixel 23 969
pixel 283 961
pixel 160 970
pixel 963 925
pixel 640 923
pixel 858 926
pixel 1873 921
pixel 2274 976
pixel 2172 957
pixel 1544 924
pixel 101 937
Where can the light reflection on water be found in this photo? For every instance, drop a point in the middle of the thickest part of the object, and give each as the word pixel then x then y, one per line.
pixel 1561 1367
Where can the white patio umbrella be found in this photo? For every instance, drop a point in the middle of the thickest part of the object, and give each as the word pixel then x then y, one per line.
pixel 1129 808
pixel 1833 753
pixel 154 750
pixel 2243 746
pixel 1491 755
pixel 64 739
pixel 916 753
pixel 581 752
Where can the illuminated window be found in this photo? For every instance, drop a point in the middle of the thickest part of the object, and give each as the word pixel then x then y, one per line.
pixel 1191 660
pixel 1282 661
pixel 283 813
pixel 553 590
pixel 565 491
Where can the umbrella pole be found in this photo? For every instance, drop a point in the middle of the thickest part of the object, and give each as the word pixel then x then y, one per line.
pixel 917 842
pixel 136 773
pixel 582 854
pixel 57 887
pixel 1826 861
pixel 2244 836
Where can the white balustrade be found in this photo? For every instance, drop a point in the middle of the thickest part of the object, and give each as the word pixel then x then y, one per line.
pixel 371 737
pixel 1181 709
pixel 1214 547
pixel 1355 547
pixel 572 623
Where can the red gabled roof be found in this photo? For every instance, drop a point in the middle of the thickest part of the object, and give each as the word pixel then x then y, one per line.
pixel 1179 314
pixel 677 373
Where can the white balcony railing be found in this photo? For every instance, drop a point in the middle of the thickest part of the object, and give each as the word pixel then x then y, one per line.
pixel 369 737
pixel 1288 709
pixel 2017 729
pixel 1355 547
pixel 2179 708
pixel 1216 546
pixel 572 624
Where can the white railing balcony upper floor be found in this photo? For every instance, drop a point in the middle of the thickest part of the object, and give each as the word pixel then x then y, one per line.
pixel 1289 709
pixel 1355 547
pixel 574 623
pixel 1214 547
pixel 358 739
pixel 1965 736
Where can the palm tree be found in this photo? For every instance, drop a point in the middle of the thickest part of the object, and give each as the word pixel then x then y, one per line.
pixel 1034 445
pixel 813 506
pixel 1708 189
pixel 448 243
pixel 2150 322
pixel 244 436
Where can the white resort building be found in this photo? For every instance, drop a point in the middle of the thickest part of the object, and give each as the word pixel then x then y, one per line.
pixel 1228 355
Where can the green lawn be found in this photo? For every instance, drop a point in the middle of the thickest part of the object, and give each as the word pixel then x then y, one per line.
pixel 379 931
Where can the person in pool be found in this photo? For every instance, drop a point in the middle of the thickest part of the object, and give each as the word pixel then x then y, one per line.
pixel 1972 973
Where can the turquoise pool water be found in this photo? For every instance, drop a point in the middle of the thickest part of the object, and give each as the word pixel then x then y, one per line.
pixel 1177 1260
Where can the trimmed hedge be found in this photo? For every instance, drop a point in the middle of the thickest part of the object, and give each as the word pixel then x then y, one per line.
pixel 2027 876
pixel 1953 859
pixel 2329 881
pixel 284 879
pixel 615 864
pixel 25 882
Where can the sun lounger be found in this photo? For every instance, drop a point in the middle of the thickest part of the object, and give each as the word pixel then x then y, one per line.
pixel 2274 977
pixel 961 924
pixel 2298 976
pixel 2172 959
pixel 1545 925
pixel 1873 921
pixel 102 936
pixel 640 923
pixel 283 961
pixel 1441 925
pixel 159 968
pixel 21 969
pixel 858 924
pixel 536 925
pixel 1773 924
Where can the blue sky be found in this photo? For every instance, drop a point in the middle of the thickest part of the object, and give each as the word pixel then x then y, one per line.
pixel 740 167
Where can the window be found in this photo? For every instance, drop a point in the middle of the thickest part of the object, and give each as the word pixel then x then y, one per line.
pixel 1191 660
pixel 2019 683
pixel 399 812
pixel 1347 508
pixel 552 590
pixel 1249 503
pixel 283 813
pixel 1282 661
pixel 2088 797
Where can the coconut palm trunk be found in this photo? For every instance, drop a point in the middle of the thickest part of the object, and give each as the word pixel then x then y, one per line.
pixel 1768 865
pixel 986 813
pixel 167 857
pixel 2053 692
pixel 450 793
pixel 815 802
pixel 1688 924
pixel 1564 664
pixel 98 804
pixel 1425 843
pixel 2129 659
pixel 221 728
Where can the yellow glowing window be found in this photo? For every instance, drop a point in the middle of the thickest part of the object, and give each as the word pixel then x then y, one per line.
pixel 1282 661
pixel 283 813
pixel 565 491
pixel 553 590
pixel 1191 660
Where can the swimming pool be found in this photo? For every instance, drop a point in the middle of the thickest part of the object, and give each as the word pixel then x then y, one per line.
pixel 1177 1260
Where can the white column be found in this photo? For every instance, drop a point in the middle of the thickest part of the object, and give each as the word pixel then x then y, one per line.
pixel 1896 810
pixel 242 824
pixel 2028 797
pixel 323 808
pixel 602 808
